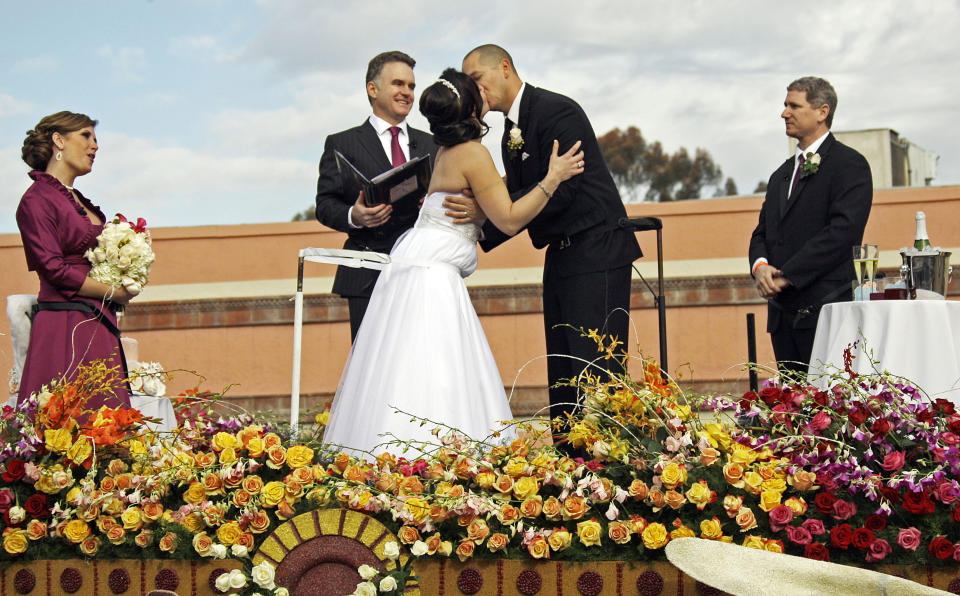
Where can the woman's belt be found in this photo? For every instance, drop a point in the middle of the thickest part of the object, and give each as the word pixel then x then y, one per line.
pixel 81 307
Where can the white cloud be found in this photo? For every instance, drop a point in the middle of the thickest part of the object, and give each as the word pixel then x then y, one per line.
pixel 126 62
pixel 10 106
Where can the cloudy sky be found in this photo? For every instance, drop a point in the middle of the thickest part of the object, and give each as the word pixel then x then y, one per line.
pixel 215 111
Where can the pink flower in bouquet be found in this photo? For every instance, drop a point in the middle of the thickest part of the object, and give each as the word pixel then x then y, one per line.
pixel 893 461
pixel 946 492
pixel 799 535
pixel 843 509
pixel 909 538
pixel 879 549
pixel 950 438
pixel 780 517
pixel 819 422
pixel 814 526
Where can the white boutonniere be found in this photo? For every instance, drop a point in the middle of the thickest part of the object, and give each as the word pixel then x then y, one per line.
pixel 514 141
pixel 810 165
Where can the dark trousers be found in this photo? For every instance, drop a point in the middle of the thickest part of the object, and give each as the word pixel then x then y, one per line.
pixel 793 347
pixel 588 301
pixel 357 306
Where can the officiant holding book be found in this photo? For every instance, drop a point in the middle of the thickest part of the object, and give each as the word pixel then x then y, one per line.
pixel 382 142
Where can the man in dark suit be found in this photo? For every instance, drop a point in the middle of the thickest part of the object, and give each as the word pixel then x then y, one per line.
pixel 586 273
pixel 381 142
pixel 815 211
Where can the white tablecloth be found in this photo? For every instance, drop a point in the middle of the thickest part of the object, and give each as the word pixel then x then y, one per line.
pixel 915 339
pixel 155 407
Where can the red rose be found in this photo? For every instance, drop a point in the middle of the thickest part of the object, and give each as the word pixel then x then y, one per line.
pixel 821 398
pixel 824 502
pixel 780 517
pixel 817 551
pixel 862 538
pixel 941 548
pixel 14 470
pixel 840 536
pixel 955 514
pixel 844 509
pixel 857 416
pixel 749 396
pixel 925 416
pixel 892 495
pixel 944 406
pixel 879 549
pixel 875 523
pixel 918 503
pixel 36 506
pixel 881 426
pixel 770 395
pixel 954 424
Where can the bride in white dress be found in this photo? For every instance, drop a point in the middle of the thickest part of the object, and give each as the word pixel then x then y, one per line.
pixel 420 359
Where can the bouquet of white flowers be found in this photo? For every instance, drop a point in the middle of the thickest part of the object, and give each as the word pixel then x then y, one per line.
pixel 148 378
pixel 123 254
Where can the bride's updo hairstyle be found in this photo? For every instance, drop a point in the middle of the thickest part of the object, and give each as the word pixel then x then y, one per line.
pixel 38 146
pixel 454 116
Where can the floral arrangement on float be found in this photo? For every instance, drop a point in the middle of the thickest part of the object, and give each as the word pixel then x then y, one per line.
pixel 861 472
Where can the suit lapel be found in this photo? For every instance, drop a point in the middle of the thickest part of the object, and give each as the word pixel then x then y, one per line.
pixel 783 201
pixel 370 142
pixel 804 180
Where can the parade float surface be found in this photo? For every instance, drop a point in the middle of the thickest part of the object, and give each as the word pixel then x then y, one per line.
pixel 863 473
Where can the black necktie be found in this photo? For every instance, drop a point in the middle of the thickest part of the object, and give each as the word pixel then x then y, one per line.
pixel 507 126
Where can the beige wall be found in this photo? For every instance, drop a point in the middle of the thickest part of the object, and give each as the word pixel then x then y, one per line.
pixel 222 274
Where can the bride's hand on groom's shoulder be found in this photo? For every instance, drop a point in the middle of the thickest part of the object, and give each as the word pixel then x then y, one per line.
pixel 464 209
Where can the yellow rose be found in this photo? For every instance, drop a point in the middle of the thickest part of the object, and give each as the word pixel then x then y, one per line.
pixel 76 531
pixel 527 486
pixel 700 494
pixel 589 532
pixel 58 440
pixel 417 507
pixel 272 494
pixel 322 418
pixel 619 531
pixel 299 456
pixel 538 548
pixel 195 494
pixel 222 440
pixel 229 533
pixel 202 544
pixel 485 479
pixel 136 447
pixel 777 484
pixel 15 541
pixel 732 504
pixel 746 519
pixel 81 450
pixel 752 482
pixel 228 456
pixel 753 542
pixel 255 447
pixel 673 475
pixel 194 522
pixel 711 529
pixel 774 546
pixel 798 504
pixel 132 518
pixel 743 455
pixel 682 532
pixel 716 435
pixel 560 539
pixel 655 536
pixel 516 466
pixel 769 499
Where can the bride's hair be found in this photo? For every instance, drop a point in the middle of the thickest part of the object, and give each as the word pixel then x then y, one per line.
pixel 454 117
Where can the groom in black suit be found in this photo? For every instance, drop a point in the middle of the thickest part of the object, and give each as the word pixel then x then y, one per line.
pixel 381 142
pixel 586 273
pixel 815 211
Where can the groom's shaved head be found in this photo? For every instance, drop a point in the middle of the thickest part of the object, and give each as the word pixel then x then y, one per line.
pixel 490 55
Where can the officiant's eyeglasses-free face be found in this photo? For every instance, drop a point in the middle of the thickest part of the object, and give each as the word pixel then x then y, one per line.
pixel 392 92
pixel 801 118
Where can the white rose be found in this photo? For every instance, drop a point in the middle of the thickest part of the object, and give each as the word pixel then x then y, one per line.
pixel 239 551
pixel 515 134
pixel 17 514
pixel 419 548
pixel 152 385
pixel 223 582
pixel 601 449
pixel 391 550
pixel 237 579
pixel 263 575
pixel 388 584
pixel 365 589
pixel 367 572
pixel 218 551
pixel 281 591
pixel 815 159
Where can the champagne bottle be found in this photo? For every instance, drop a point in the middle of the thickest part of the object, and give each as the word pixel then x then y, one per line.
pixel 921 242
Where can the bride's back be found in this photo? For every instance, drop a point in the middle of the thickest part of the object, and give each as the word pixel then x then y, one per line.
pixel 449 170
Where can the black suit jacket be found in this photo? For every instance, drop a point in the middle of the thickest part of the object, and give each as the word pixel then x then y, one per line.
pixel 337 192
pixel 810 235
pixel 586 208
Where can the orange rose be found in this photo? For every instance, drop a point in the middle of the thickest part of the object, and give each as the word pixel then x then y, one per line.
pixel 246 539
pixel 144 538
pixel 252 484
pixel 746 519
pixel 108 484
pixel 276 457
pixel 272 439
pixel 240 498
pixel 478 530
pixel 408 534
pixel 411 485
pixel 539 548
pixel 204 459
pixel 285 511
pixel 803 480
pixel 433 543
pixel 168 543
pixel 152 511
pixel 259 522
pixel 497 542
pixel 638 489
pixel 531 507
pixel 117 535
pixel 36 529
pixel 674 499
pixel 656 499
pixel 202 544
pixel 504 484
pixel 212 483
pixel 90 546
pixel 733 472
pixel 355 473
pixel 508 514
pixel 708 456
pixel 465 550
pixel 574 507
pixel 385 482
pixel 552 509
pixel 619 531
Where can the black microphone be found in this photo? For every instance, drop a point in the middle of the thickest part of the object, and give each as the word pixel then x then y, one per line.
pixel 413 144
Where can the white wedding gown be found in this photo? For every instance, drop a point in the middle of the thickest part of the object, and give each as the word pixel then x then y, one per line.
pixel 420 349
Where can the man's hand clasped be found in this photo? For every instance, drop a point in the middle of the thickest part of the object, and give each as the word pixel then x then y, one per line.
pixel 770 281
pixel 369 217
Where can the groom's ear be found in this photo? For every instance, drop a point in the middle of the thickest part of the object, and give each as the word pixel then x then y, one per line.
pixel 505 68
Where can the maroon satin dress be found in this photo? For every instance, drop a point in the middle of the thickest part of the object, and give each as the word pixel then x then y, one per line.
pixel 56 232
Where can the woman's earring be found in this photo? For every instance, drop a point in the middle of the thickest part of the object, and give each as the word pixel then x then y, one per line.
pixel 59 155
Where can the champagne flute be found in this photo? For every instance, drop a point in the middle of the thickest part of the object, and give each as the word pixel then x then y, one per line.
pixel 866 258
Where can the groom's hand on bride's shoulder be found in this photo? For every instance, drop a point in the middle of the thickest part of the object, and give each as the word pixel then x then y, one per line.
pixel 369 217
pixel 464 209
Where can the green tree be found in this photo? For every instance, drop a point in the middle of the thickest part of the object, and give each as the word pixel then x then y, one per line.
pixel 308 214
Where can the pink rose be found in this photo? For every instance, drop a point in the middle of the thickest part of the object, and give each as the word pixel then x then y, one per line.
pixel 879 549
pixel 799 535
pixel 909 538
pixel 946 493
pixel 814 526
pixel 843 509
pixel 6 499
pixel 819 422
pixel 780 517
pixel 893 461
pixel 949 438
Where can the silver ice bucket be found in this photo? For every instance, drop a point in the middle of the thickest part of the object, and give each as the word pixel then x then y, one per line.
pixel 927 271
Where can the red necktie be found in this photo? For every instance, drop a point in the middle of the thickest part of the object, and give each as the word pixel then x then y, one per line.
pixel 396 153
pixel 796 177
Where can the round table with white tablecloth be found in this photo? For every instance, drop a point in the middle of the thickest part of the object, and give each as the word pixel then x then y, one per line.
pixel 915 339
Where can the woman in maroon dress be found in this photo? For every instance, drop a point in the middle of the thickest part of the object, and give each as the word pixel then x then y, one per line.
pixel 75 321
